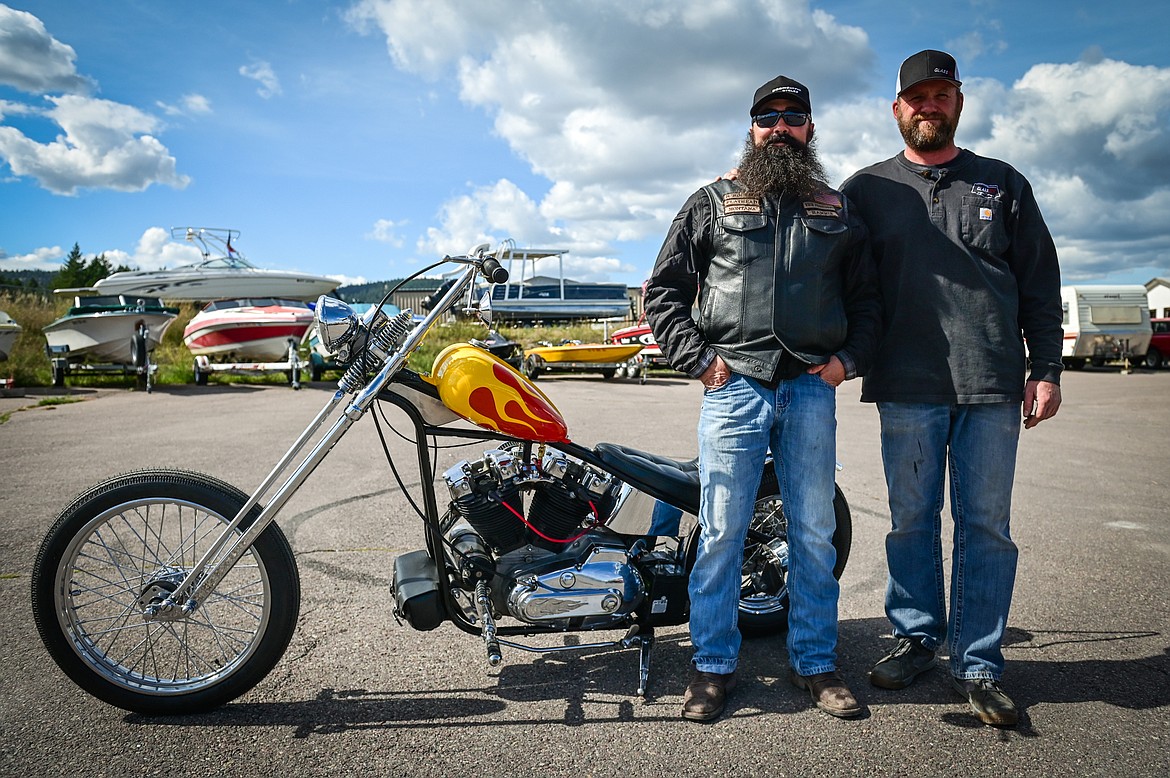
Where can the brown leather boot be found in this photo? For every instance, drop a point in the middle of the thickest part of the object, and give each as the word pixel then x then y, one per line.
pixel 706 695
pixel 830 694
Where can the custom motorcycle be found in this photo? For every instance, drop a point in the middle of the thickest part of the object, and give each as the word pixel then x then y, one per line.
pixel 168 591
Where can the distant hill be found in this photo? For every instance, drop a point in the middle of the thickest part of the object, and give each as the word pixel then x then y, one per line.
pixel 27 279
pixel 375 290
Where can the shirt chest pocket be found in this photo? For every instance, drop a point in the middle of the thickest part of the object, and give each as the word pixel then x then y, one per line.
pixel 984 225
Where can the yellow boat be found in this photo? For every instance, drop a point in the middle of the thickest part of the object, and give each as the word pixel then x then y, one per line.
pixel 606 358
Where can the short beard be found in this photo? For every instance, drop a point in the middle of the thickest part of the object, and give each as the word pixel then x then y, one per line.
pixel 921 136
pixel 775 168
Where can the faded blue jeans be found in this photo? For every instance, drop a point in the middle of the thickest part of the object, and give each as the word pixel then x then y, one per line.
pixel 738 423
pixel 977 444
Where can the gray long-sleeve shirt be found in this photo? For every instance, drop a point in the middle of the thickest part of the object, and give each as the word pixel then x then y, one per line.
pixel 968 272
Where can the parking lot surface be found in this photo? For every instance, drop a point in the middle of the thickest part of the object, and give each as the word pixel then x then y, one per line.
pixel 1088 642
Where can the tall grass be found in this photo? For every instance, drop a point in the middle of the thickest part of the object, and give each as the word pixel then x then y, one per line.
pixel 29 364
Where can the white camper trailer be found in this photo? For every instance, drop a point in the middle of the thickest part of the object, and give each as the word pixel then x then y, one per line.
pixel 1104 323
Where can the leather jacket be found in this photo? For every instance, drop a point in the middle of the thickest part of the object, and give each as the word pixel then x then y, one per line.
pixel 771 274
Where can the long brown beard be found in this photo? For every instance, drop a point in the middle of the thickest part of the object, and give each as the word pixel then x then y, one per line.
pixel 775 168
pixel 921 136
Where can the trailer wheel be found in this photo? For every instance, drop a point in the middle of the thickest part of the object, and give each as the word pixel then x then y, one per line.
pixel 138 348
pixel 58 373
pixel 200 376
pixel 1153 359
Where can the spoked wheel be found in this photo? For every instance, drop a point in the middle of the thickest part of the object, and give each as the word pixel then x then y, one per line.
pixel 763 598
pixel 129 542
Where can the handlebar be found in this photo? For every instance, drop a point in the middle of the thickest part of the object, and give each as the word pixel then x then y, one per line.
pixel 493 271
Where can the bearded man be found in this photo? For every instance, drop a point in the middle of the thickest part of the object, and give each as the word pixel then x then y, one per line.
pixel 968 273
pixel 788 310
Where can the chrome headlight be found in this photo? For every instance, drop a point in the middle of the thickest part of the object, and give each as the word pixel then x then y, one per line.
pixel 336 323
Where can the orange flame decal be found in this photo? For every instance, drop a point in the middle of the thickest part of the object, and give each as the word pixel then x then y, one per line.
pixel 487 391
pixel 530 416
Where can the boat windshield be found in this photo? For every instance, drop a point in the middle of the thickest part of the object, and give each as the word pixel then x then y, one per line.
pixel 224 263
pixel 253 302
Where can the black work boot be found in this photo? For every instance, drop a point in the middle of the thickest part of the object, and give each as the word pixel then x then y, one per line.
pixel 899 668
pixel 989 702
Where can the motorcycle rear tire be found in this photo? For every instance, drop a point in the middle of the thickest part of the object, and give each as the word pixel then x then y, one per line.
pixel 763 604
pixel 139 533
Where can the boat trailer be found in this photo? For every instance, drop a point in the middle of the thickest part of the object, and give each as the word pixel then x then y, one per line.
pixel 292 367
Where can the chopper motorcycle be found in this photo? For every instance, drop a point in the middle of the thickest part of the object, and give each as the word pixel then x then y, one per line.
pixel 169 591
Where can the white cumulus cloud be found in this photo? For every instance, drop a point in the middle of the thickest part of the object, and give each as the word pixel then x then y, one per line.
pixel 34 61
pixel 104 144
pixel 624 107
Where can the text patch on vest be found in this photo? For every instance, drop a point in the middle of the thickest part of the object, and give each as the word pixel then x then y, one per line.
pixel 741 203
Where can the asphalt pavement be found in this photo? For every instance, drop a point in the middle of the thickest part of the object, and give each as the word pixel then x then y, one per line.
pixel 1088 641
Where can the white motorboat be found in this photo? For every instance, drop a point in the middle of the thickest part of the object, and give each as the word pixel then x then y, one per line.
pixel 109 328
pixel 222 273
pixel 253 329
pixel 9 332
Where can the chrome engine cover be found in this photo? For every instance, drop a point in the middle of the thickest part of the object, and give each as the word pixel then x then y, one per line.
pixel 600 583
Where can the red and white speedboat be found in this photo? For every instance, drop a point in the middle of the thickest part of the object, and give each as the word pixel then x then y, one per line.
pixel 256 329
pixel 640 334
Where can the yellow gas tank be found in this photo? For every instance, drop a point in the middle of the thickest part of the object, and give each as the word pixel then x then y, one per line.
pixel 488 392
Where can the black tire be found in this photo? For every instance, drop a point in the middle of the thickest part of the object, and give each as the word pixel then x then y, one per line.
pixel 1075 364
pixel 200 376
pixel 138 349
pixel 141 532
pixel 763 602
pixel 316 372
pixel 532 367
pixel 608 373
pixel 58 374
pixel 1153 359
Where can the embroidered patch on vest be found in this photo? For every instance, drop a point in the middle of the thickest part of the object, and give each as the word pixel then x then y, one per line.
pixel 741 203
pixel 824 205
pixel 818 211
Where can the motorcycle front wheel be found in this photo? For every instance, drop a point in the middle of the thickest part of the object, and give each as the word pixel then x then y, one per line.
pixel 763 596
pixel 132 539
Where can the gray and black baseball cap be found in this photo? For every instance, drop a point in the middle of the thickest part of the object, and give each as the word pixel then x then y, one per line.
pixel 927 65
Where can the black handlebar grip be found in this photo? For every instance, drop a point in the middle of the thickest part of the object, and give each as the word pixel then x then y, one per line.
pixel 493 271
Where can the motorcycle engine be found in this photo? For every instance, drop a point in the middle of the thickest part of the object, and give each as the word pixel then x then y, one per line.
pixel 549 565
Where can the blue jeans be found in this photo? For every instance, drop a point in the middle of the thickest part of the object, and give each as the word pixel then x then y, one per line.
pixel 738 423
pixel 977 443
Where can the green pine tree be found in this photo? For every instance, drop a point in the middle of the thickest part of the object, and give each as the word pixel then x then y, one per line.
pixel 73 272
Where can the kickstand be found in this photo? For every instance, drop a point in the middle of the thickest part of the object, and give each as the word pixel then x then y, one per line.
pixel 644 639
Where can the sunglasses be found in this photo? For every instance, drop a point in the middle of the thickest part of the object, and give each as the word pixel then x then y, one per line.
pixel 770 119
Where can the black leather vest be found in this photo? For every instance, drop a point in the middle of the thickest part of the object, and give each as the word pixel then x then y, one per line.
pixel 776 277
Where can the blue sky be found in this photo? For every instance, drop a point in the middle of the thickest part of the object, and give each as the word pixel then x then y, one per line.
pixel 363 139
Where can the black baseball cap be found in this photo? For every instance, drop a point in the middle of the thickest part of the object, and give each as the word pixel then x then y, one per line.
pixel 927 65
pixel 781 87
